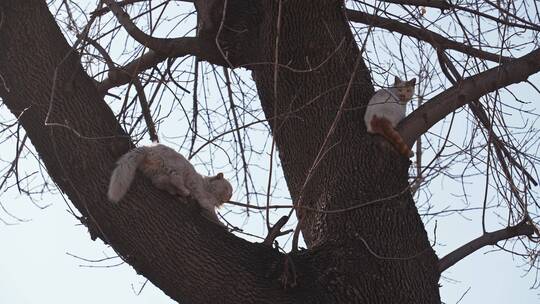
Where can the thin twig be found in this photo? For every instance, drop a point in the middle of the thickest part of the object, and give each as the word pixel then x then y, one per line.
pixel 145 108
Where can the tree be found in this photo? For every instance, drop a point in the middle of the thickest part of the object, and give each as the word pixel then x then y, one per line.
pixel 351 191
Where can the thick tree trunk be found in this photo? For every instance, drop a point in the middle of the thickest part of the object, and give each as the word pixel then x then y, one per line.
pixel 356 169
pixel 378 253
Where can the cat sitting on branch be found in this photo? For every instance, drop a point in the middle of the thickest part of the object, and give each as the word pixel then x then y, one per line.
pixel 386 109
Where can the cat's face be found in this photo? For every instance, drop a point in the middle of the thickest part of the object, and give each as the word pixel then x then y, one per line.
pixel 221 188
pixel 405 89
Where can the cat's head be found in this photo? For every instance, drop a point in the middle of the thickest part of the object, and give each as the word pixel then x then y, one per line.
pixel 220 188
pixel 404 89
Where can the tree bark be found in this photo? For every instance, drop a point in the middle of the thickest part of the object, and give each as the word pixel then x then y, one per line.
pixel 357 168
pixel 378 253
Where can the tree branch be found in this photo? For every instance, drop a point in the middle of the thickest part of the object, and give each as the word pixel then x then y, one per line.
pixel 444 5
pixel 169 47
pixel 490 238
pixel 145 109
pixel 123 75
pixel 440 4
pixel 275 231
pixel 102 11
pixel 499 144
pixel 468 90
pixel 438 41
pixel 160 50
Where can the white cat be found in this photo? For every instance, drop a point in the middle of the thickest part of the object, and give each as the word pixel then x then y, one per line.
pixel 386 109
pixel 172 172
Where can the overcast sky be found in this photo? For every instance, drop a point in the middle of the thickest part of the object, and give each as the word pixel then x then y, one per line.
pixel 35 266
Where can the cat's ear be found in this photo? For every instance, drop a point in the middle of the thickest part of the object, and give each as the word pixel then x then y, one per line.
pixel 412 82
pixel 397 80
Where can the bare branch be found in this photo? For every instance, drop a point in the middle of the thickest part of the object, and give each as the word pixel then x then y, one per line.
pixel 438 41
pixel 102 11
pixel 122 75
pixel 169 47
pixel 108 60
pixel 470 89
pixel 489 238
pixel 145 108
pixel 138 86
pixel 499 144
pixel 441 4
pixel 275 231
pixel 160 49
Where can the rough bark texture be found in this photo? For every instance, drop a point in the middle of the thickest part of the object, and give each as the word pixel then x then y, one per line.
pixel 375 254
pixel 357 168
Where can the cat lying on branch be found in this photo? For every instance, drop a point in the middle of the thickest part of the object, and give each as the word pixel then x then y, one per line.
pixel 172 172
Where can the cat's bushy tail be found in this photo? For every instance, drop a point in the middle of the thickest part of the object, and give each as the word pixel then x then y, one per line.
pixel 123 174
pixel 383 126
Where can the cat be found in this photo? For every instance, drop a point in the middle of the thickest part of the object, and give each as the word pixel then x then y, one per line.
pixel 386 109
pixel 172 172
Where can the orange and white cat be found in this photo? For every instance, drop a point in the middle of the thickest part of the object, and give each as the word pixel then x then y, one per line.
pixel 172 172
pixel 386 109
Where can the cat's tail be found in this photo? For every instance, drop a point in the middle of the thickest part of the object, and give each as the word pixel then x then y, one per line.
pixel 123 174
pixel 383 126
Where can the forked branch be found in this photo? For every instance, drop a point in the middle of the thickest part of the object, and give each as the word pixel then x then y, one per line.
pixel 169 47
pixel 160 49
pixel 122 75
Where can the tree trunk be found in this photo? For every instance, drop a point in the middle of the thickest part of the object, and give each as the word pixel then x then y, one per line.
pixel 378 253
pixel 385 241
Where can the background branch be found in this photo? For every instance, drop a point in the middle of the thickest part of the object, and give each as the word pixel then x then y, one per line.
pixel 440 4
pixel 122 75
pixel 489 238
pixel 470 89
pixel 169 47
pixel 438 41
pixel 145 108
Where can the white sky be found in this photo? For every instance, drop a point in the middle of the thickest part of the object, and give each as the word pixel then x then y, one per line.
pixel 34 266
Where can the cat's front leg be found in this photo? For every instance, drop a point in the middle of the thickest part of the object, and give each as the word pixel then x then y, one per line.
pixel 207 201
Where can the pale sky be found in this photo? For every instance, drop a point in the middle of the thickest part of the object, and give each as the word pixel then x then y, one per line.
pixel 35 267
